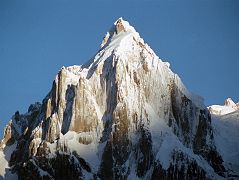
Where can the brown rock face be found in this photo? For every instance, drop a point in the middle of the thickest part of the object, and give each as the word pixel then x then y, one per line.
pixel 119 26
pixel 7 136
pixel 105 40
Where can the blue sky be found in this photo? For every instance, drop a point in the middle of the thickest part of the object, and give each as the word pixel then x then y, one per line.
pixel 200 39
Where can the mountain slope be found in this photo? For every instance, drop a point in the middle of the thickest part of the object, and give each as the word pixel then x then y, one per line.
pixel 122 115
pixel 225 121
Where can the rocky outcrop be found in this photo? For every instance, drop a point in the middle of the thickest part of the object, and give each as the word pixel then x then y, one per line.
pixel 229 102
pixel 8 137
pixel 105 40
pixel 119 26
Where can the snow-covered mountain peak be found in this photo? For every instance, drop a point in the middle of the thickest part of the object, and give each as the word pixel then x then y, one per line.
pixel 122 25
pixel 228 107
pixel 229 103
pixel 123 115
pixel 122 41
pixel 120 30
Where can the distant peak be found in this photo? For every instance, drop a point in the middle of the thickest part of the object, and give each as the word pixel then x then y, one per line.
pixel 228 107
pixel 229 102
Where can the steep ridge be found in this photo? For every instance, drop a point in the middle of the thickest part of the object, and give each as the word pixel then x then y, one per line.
pixel 122 115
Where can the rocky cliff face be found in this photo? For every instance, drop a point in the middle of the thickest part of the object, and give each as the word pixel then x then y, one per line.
pixel 122 115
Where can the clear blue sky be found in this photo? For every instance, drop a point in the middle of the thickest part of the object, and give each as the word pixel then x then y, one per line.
pixel 200 39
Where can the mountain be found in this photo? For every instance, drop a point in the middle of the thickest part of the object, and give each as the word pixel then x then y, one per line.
pixel 228 107
pixel 225 122
pixel 122 115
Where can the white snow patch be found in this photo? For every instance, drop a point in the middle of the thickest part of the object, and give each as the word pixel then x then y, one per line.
pixel 89 152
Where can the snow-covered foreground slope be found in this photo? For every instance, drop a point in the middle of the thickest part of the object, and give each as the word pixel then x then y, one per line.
pixel 122 115
pixel 5 156
pixel 226 134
